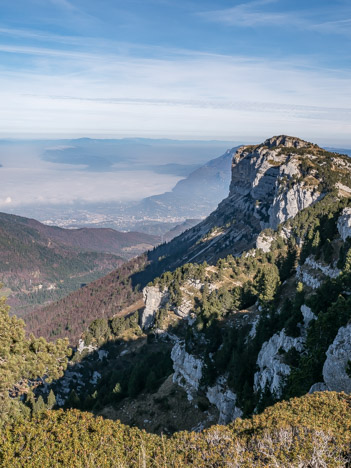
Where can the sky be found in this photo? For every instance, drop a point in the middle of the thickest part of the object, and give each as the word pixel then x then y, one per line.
pixel 210 69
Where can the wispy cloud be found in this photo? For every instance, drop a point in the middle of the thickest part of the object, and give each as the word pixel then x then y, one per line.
pixel 119 89
pixel 260 13
pixel 123 96
pixel 249 14
pixel 64 4
pixel 340 26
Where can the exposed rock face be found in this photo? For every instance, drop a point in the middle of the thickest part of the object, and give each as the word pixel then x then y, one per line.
pixel 154 299
pixel 285 140
pixel 83 347
pixel 307 278
pixel 287 204
pixel 308 315
pixel 338 356
pixel 344 224
pixel 327 270
pixel 259 174
pixel 184 309
pixel 187 370
pixel 264 242
pixel 272 369
pixel 313 273
pixel 225 401
pixel 318 387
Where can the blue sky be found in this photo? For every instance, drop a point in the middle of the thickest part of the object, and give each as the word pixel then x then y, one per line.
pixel 179 69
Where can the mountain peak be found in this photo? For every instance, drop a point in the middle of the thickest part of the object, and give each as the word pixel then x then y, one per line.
pixel 287 141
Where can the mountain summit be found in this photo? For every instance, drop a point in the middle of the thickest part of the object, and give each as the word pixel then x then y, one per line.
pixel 271 182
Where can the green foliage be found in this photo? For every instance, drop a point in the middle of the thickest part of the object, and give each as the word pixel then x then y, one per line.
pixel 267 282
pixel 51 403
pixel 332 305
pixel 99 328
pixel 311 431
pixel 24 362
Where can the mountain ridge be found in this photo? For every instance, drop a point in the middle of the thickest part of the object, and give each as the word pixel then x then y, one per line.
pixel 257 171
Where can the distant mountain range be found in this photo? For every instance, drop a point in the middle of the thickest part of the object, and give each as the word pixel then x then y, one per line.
pixel 193 197
pixel 133 154
pixel 40 264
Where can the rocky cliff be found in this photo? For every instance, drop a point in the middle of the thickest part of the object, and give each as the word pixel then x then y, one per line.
pixel 270 184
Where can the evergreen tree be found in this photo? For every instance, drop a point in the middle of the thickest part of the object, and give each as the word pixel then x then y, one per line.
pixel 39 406
pixel 51 400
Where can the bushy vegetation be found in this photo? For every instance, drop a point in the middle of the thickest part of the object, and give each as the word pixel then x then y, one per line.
pixel 314 430
pixel 25 363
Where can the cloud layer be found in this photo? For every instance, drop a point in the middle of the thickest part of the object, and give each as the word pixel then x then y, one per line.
pixel 76 83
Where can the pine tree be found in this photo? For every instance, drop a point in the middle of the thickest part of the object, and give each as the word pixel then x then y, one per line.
pixel 39 406
pixel 73 400
pixel 51 400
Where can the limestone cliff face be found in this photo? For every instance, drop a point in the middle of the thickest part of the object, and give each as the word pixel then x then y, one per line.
pixel 338 356
pixel 225 401
pixel 187 370
pixel 154 299
pixel 270 362
pixel 260 177
pixel 344 224
pixel 268 186
pixel 312 273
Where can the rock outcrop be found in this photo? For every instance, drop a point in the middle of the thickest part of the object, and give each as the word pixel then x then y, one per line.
pixel 272 369
pixel 264 242
pixel 287 204
pixel 318 387
pixel 313 273
pixel 183 310
pixel 338 357
pixel 225 401
pixel 307 314
pixel 187 370
pixel 344 224
pixel 154 299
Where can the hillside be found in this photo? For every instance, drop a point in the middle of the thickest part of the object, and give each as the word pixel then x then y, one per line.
pixel 124 244
pixel 228 339
pixel 271 183
pixel 40 264
pixel 177 230
pixel 104 297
